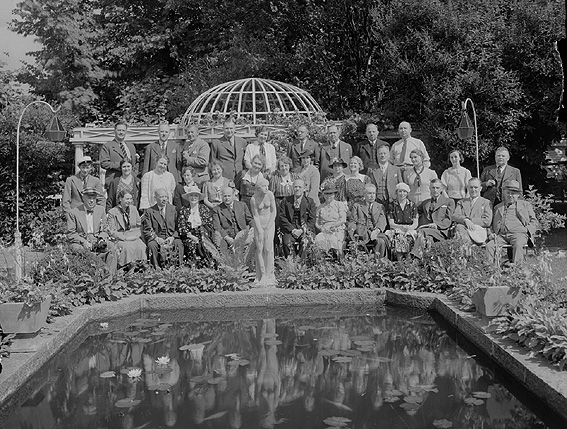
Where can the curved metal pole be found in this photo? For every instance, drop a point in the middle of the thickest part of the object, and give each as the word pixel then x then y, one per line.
pixel 17 235
pixel 475 133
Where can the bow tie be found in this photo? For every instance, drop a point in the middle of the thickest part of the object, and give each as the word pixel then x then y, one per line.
pixel 90 211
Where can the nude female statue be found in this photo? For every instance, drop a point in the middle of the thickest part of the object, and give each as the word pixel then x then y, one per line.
pixel 263 204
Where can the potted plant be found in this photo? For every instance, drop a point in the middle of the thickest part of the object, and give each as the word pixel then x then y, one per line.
pixel 23 307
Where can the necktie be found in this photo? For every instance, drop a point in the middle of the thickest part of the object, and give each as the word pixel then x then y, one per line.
pixel 125 150
pixel 162 211
pixel 262 150
pixel 403 153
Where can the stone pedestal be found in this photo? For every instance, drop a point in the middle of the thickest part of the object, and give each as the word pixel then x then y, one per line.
pixel 493 301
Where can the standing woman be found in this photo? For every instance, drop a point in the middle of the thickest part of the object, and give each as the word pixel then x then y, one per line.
pixel 187 178
pixel 125 182
pixel 263 204
pixel 158 178
pixel 455 178
pixel 337 178
pixel 310 176
pixel 261 147
pixel 403 220
pixel 281 183
pixel 418 178
pixel 124 226
pixel 356 182
pixel 246 180
pixel 212 188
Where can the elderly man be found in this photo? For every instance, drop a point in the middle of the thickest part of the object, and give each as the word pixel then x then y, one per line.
pixel 159 224
pixel 473 215
pixel 301 145
pixel 196 153
pixel 400 152
pixel 165 146
pixel 514 223
pixel 367 149
pixel 229 151
pixel 385 176
pixel 368 223
pixel 296 216
pixel 86 228
pixel 336 149
pixel 113 152
pixel 229 218
pixel 493 177
pixel 74 185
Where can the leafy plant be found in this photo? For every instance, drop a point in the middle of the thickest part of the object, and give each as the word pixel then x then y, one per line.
pixel 545 215
pixel 26 292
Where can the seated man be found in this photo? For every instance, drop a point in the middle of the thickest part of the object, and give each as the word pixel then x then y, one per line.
pixel 435 218
pixel 514 223
pixel 296 216
pixel 86 228
pixel 159 224
pixel 74 185
pixel 229 218
pixel 473 215
pixel 368 222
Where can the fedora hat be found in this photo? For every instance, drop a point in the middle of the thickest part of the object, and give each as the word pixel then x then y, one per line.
pixel 193 190
pixel 512 185
pixel 478 234
pixel 338 161
pixel 84 159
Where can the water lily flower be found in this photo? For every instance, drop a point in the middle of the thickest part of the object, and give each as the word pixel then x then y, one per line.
pixel 163 360
pixel 135 373
pixel 103 325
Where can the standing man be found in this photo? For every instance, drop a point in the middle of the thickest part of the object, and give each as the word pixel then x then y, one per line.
pixel 229 151
pixel 229 218
pixel 336 149
pixel 367 148
pixel 155 150
pixel 74 185
pixel 196 153
pixel 302 144
pixel 400 152
pixel 385 176
pixel 473 214
pixel 494 176
pixel 113 152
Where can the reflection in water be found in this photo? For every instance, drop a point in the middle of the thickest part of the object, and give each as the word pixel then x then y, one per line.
pixel 385 369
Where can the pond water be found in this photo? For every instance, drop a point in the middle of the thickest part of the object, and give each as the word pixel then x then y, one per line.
pixel 299 368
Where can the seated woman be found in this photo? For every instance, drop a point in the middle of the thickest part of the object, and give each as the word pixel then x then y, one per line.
pixel 403 220
pixel 263 204
pixel 355 182
pixel 187 175
pixel 281 183
pixel 158 178
pixel 212 189
pixel 195 228
pixel 456 178
pixel 338 179
pixel 418 178
pixel 331 221
pixel 124 225
pixel 246 180
pixel 125 182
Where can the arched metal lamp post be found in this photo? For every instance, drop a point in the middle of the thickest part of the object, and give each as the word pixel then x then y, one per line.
pixel 55 133
pixel 466 129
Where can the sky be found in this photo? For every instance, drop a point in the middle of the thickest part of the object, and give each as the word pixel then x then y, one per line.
pixel 13 47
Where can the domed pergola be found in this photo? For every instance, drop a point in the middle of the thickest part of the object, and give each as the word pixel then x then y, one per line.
pixel 252 99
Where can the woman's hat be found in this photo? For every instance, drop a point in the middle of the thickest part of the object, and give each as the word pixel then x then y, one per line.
pixel 403 186
pixel 308 153
pixel 330 188
pixel 193 190
pixel 339 161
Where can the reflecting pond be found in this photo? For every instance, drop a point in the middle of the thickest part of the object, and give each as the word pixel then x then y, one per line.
pixel 305 367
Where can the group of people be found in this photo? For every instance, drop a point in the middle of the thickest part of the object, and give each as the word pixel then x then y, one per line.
pixel 196 198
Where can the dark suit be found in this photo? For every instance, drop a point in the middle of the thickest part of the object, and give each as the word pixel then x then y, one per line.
pixel 110 157
pixel 196 154
pixel 223 224
pixel 367 152
pixel 294 150
pixel 441 214
pixel 362 222
pixel 111 200
pixel 393 177
pixel 173 152
pixel 344 152
pixel 154 225
pixel 286 221
pixel 494 193
pixel 73 191
pixel 480 214
pixel 231 158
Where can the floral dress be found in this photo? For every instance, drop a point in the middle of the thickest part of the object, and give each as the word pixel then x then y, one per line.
pixel 355 190
pixel 200 224
pixel 328 213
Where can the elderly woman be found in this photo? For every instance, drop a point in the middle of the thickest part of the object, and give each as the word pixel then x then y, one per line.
pixel 356 182
pixel 187 178
pixel 331 221
pixel 403 220
pixel 125 182
pixel 158 178
pixel 337 178
pixel 281 183
pixel 124 226
pixel 246 180
pixel 195 227
pixel 310 176
pixel 418 178
pixel 263 205
pixel 456 178
pixel 261 147
pixel 212 189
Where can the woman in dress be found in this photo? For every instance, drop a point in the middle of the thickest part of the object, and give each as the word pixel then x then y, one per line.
pixel 125 182
pixel 158 178
pixel 124 226
pixel 338 178
pixel 356 182
pixel 403 219
pixel 188 173
pixel 331 221
pixel 263 205
pixel 418 178
pixel 281 183
pixel 212 189
pixel 195 228
pixel 310 176
pixel 261 147
pixel 456 177
pixel 246 180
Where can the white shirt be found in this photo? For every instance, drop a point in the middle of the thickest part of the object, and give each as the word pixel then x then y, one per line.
pixel 254 149
pixel 412 143
pixel 90 223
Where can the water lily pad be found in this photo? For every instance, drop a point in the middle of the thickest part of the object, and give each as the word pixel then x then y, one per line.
pixel 473 401
pixel 408 406
pixel 481 395
pixel 108 374
pixel 158 333
pixel 192 347
pixel 143 340
pixel 165 325
pixel 443 424
pixel 163 387
pixel 365 349
pixel 127 403
pixel 394 393
pixel 244 362
pixel 391 399
pixel 339 422
pixel 364 343
pixel 342 359
pixel 413 399
pixel 232 356
pixel 351 353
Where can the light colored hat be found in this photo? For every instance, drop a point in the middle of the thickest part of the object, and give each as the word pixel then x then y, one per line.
pixel 512 185
pixel 478 234
pixel 84 159
pixel 192 191
pixel 330 188
pixel 402 186
pixel 90 191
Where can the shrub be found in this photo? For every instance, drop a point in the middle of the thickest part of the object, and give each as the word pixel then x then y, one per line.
pixel 545 215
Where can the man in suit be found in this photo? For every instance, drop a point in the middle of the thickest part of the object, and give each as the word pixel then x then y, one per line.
pixel 368 223
pixel 493 177
pixel 229 151
pixel 336 149
pixel 86 226
pixel 296 216
pixel 400 151
pixel 159 224
pixel 435 218
pixel 112 153
pixel 302 144
pixel 367 148
pixel 229 218
pixel 472 212
pixel 74 185
pixel 385 176
pixel 155 150
pixel 514 223
pixel 196 153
